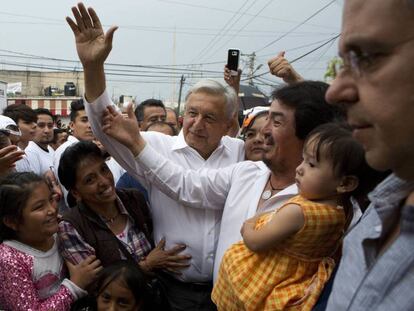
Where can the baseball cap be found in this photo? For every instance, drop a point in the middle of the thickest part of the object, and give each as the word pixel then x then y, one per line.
pixel 8 126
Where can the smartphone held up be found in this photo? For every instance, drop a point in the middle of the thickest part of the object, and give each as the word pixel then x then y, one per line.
pixel 233 61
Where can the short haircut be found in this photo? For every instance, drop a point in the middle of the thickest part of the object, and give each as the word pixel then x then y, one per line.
pixel 162 124
pixel 45 111
pixel 213 87
pixel 20 112
pixel 72 157
pixel 15 191
pixel 307 98
pixel 75 106
pixel 139 111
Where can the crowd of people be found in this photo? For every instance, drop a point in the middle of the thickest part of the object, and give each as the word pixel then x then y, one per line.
pixel 307 206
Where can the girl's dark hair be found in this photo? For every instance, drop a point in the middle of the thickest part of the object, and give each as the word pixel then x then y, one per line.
pixel 128 273
pixel 347 157
pixel 72 157
pixel 15 190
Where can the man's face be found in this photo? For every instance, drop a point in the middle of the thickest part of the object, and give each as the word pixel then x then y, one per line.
pixel 282 149
pixel 379 97
pixel 44 129
pixel 81 128
pixel 205 122
pixel 151 115
pixel 28 130
pixel 171 119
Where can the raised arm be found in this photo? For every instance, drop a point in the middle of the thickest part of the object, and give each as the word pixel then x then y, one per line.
pixel 206 188
pixel 280 67
pixel 234 82
pixel 93 47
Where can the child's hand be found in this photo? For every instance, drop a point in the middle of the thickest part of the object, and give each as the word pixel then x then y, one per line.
pixel 86 272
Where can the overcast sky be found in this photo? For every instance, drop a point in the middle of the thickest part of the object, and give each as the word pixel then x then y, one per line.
pixel 173 34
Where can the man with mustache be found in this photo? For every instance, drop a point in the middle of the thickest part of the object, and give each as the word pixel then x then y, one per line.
pixel 375 85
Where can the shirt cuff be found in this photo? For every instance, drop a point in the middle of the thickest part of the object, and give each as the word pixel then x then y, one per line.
pixel 74 289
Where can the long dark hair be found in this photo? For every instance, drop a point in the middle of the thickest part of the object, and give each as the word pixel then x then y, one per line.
pixel 15 191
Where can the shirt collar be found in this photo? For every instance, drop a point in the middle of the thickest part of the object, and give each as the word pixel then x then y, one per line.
pixel 122 209
pixel 72 139
pixel 180 143
pixel 391 191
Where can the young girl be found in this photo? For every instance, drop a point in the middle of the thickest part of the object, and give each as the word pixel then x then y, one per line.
pixel 31 269
pixel 286 256
pixel 120 286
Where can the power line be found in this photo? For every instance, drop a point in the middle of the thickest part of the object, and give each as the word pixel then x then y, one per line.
pixel 243 27
pixel 247 14
pixel 297 26
pixel 222 29
pixel 298 58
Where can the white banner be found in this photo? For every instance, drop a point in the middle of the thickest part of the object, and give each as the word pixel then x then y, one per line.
pixel 13 88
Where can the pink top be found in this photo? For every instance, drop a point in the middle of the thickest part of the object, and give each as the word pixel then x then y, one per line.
pixel 32 280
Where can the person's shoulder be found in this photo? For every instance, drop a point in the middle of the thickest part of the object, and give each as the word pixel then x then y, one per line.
pixel 9 254
pixel 232 142
pixel 62 148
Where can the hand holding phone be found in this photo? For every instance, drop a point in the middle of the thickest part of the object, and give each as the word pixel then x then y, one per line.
pixel 233 61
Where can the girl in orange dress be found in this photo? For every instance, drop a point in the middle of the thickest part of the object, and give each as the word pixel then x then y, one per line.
pixel 286 256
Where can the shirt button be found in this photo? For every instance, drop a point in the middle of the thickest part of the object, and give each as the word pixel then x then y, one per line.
pixel 378 228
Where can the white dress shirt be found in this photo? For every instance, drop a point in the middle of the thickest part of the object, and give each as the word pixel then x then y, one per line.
pixel 40 160
pixel 237 187
pixel 196 228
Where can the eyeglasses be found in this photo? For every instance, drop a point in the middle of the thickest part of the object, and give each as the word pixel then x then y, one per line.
pixel 360 63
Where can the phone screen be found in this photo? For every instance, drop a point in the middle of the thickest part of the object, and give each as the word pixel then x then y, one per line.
pixel 233 60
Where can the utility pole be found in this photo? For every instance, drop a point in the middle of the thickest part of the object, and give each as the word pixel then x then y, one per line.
pixel 251 58
pixel 179 94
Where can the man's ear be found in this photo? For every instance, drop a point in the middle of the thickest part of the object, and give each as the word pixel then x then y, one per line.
pixel 11 223
pixel 71 125
pixel 348 184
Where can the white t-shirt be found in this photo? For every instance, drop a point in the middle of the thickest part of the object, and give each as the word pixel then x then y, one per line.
pixel 40 160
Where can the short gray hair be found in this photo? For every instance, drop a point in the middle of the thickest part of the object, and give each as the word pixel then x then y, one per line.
pixel 213 87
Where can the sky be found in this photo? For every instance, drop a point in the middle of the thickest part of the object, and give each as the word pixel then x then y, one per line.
pixel 160 40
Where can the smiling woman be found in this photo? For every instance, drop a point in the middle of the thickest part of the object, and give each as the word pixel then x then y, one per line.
pixel 111 224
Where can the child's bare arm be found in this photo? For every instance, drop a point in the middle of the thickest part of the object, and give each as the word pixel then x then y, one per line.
pixel 285 223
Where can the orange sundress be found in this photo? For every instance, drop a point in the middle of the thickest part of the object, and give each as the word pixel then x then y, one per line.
pixel 288 277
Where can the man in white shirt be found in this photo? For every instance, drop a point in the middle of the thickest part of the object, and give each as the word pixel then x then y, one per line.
pixel 38 152
pixel 246 188
pixel 209 114
pixel 25 118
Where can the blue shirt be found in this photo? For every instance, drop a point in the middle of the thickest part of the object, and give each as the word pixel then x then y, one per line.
pixel 127 181
pixel 367 280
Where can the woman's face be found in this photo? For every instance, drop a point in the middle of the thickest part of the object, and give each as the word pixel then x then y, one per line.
pixel 117 297
pixel 254 140
pixel 94 183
